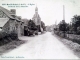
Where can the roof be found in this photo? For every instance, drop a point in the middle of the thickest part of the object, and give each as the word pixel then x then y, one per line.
pixel 7 12
pixel 3 21
pixel 25 21
pixel 14 16
pixel 36 16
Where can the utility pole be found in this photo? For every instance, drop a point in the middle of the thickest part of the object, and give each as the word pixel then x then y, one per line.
pixel 64 19
pixel 56 24
pixel 63 12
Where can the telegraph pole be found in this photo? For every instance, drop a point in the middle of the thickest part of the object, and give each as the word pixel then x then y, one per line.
pixel 64 19
pixel 63 12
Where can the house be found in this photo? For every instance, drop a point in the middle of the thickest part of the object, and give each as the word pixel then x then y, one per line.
pixel 25 21
pixel 9 22
pixel 3 24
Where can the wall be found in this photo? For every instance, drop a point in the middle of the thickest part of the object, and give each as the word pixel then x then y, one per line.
pixel 12 25
pixel 6 27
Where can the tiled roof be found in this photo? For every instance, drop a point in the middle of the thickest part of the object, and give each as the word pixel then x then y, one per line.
pixel 7 12
pixel 3 21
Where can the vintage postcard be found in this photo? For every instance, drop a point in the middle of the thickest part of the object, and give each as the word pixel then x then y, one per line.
pixel 39 29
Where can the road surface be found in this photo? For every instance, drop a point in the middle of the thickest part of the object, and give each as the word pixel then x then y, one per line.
pixel 45 46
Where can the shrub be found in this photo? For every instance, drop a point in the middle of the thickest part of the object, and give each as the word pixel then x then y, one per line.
pixel 2 34
pixel 6 38
pixel 13 36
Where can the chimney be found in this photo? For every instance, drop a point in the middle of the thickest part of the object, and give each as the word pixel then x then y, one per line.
pixel 13 11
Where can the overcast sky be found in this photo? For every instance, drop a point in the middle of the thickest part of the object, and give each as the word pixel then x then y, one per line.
pixel 49 10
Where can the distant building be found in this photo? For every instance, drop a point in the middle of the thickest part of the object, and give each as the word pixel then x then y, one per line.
pixel 9 22
pixel 49 28
pixel 36 18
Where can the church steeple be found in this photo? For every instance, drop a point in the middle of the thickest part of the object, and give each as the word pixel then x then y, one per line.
pixel 36 18
pixel 36 10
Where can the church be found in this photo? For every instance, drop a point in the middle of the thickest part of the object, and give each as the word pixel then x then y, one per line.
pixel 36 19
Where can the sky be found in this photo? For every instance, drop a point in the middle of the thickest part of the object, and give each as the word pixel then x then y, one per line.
pixel 50 11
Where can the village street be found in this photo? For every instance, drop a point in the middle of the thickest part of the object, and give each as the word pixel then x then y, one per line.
pixel 45 46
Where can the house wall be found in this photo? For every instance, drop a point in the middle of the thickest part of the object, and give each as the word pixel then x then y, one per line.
pixel 10 26
pixel 6 27
pixel 19 29
pixel 22 28
pixel 14 26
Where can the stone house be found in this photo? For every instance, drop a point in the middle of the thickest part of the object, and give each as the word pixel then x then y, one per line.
pixel 9 22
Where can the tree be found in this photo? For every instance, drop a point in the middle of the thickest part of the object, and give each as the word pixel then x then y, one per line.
pixel 43 25
pixel 76 23
pixel 31 25
pixel 63 26
pixel 31 28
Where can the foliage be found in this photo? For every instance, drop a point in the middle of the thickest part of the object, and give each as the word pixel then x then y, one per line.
pixel 31 25
pixel 6 38
pixel 75 22
pixel 31 28
pixel 2 34
pixel 13 36
pixel 63 26
pixel 43 25
pixel 78 30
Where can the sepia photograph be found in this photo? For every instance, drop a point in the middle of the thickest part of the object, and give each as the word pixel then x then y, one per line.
pixel 39 29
